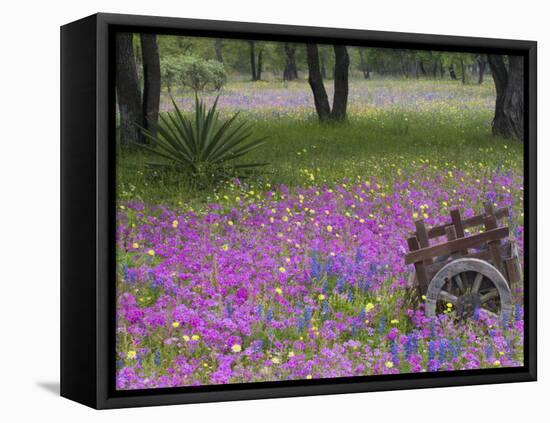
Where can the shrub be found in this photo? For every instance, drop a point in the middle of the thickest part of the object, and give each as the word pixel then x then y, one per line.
pixel 193 72
pixel 203 145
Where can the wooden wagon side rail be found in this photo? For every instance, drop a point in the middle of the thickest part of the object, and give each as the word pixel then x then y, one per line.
pixel 461 244
pixel 471 222
pixel 484 254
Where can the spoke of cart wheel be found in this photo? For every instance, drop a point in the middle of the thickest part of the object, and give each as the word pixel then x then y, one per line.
pixel 458 281
pixel 448 297
pixel 477 283
pixel 493 293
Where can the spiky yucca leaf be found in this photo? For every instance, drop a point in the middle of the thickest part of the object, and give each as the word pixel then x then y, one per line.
pixel 204 144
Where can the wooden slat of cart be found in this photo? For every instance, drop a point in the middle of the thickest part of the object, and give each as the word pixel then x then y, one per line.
pixel 476 220
pixel 433 268
pixel 419 266
pixel 496 258
pixel 456 245
pixel 458 227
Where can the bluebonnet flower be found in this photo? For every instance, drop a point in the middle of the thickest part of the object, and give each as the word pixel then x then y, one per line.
pixel 517 312
pixel 443 344
pixel 340 284
pixel 260 311
pixel 394 348
pixel 329 266
pixel 358 256
pixel 229 309
pixel 455 348
pixel 125 272
pixel 431 350
pixel 325 309
pixel 382 325
pixel 316 266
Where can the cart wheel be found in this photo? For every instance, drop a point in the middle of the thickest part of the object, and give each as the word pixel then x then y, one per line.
pixel 469 284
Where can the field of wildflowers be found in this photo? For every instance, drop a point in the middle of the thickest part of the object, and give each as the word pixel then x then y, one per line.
pixel 298 273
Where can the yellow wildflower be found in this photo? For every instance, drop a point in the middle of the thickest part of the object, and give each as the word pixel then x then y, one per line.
pixel 329 228
pixel 175 324
pixel 131 355
pixel 236 348
pixel 321 297
pixel 151 252
pixel 389 364
pixel 135 245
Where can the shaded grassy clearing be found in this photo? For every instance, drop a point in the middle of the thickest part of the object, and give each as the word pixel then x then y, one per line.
pixel 305 151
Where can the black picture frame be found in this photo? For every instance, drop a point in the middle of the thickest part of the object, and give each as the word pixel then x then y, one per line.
pixel 87 211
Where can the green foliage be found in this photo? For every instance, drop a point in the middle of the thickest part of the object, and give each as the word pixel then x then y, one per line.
pixel 193 72
pixel 372 143
pixel 203 146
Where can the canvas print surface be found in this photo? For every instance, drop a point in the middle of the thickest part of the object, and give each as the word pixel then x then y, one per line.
pixel 307 211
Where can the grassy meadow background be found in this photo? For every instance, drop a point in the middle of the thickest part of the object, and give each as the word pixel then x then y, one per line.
pixel 297 271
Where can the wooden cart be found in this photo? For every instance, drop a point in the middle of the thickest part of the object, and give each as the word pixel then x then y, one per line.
pixel 464 274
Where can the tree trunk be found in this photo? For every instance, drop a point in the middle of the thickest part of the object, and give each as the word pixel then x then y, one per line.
pixel 463 71
pixel 452 72
pixel 404 66
pixel 434 69
pixel 481 63
pixel 218 47
pixel 315 80
pixel 508 120
pixel 151 81
pixel 252 60
pixel 291 70
pixel 128 93
pixel 422 68
pixel 363 63
pixel 341 71
pixel 260 65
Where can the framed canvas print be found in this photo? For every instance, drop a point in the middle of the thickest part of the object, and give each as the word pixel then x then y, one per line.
pixel 255 211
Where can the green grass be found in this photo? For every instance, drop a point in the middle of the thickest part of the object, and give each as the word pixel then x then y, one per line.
pixel 298 149
pixel 451 133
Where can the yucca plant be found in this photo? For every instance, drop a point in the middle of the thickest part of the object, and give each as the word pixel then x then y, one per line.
pixel 203 145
